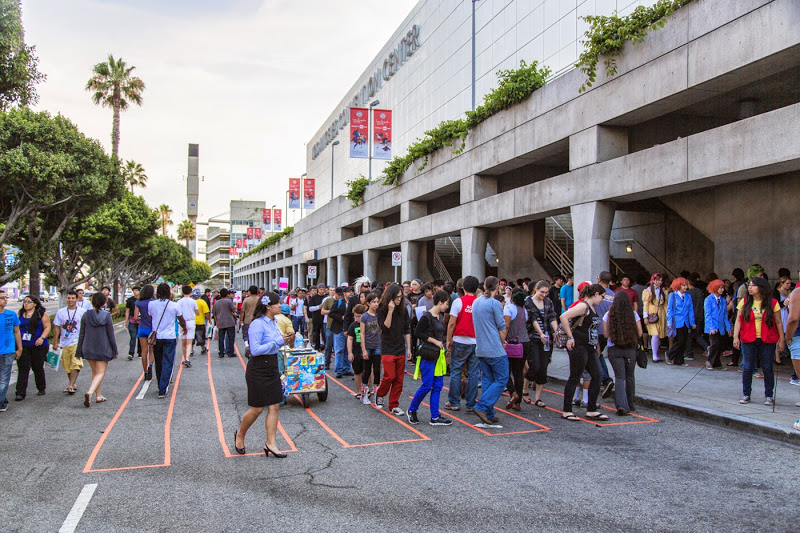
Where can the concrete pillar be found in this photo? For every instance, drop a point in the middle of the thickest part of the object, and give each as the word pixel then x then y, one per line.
pixel 331 274
pixel 410 266
pixel 371 264
pixel 372 224
pixel 302 275
pixel 591 226
pixel 473 252
pixel 296 281
pixel 477 187
pixel 412 210
pixel 597 144
pixel 343 268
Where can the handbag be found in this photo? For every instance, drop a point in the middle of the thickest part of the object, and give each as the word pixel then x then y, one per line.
pixel 151 339
pixel 652 318
pixel 641 355
pixel 514 349
pixel 561 335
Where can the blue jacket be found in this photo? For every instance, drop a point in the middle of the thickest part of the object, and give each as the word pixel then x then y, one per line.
pixel 716 314
pixel 680 311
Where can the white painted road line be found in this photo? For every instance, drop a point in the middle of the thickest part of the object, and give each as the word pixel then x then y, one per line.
pixel 74 516
pixel 146 386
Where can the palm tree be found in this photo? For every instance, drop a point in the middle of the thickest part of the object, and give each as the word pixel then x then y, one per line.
pixel 114 87
pixel 166 217
pixel 186 232
pixel 134 175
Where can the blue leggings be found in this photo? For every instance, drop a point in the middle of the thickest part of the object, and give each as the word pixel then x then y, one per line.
pixel 430 383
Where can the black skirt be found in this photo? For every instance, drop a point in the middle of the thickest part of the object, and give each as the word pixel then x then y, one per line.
pixel 263 381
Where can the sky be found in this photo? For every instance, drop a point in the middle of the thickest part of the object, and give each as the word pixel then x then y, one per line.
pixel 250 81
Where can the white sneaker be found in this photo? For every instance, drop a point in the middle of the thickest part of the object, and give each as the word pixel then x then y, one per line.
pixel 794 381
pixel 797 425
pixel 365 399
pixel 398 412
pixel 797 404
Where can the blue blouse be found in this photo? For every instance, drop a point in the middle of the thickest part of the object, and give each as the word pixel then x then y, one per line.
pixel 716 314
pixel 265 337
pixel 680 311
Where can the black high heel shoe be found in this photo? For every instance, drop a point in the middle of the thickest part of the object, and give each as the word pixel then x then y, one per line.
pixel 240 451
pixel 278 455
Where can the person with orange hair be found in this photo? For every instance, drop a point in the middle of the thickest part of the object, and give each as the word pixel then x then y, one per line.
pixel 717 324
pixel 680 316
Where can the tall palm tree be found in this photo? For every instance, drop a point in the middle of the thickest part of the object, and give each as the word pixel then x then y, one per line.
pixel 114 87
pixel 134 175
pixel 166 217
pixel 186 232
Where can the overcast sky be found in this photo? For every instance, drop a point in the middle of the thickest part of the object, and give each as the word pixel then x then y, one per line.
pixel 248 80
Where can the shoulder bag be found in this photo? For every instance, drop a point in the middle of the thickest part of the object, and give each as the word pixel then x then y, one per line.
pixel 641 355
pixel 561 335
pixel 151 339
pixel 514 348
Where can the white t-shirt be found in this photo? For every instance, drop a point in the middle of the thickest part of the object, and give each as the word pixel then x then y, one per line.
pixel 189 311
pixel 298 310
pixel 70 323
pixel 510 310
pixel 167 328
pixel 605 319
pixel 85 304
pixel 455 308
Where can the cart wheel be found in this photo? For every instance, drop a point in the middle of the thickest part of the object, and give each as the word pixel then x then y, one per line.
pixel 305 400
pixel 323 396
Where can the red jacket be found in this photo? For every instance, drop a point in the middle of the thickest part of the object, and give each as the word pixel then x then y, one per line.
pixel 464 326
pixel 769 334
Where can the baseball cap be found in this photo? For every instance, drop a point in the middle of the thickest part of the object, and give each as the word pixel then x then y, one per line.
pixel 583 285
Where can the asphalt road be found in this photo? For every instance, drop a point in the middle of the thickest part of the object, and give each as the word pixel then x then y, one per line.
pixel 161 465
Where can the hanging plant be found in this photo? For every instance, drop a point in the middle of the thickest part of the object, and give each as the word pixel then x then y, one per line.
pixel 356 189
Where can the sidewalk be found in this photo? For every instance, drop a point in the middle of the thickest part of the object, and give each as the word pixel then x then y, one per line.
pixel 709 396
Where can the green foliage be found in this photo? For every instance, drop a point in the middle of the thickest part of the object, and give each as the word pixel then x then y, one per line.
pixel 18 62
pixel 356 189
pixel 268 242
pixel 607 35
pixel 196 272
pixel 186 231
pixel 515 85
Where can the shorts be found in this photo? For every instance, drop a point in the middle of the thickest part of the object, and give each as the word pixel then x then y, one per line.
pixel 143 333
pixel 795 348
pixel 68 359
pixel 189 334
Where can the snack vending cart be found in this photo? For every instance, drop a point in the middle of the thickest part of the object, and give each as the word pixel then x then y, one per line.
pixel 305 373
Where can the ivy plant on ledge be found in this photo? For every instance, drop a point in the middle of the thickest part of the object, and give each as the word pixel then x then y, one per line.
pixel 356 190
pixel 607 35
pixel 268 242
pixel 514 87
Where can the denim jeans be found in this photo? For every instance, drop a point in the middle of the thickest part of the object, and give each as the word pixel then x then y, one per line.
pixel 603 366
pixel 757 354
pixel 6 364
pixel 135 345
pixel 463 355
pixel 328 347
pixel 494 378
pixel 340 346
pixel 430 383
pixel 623 361
pixel 164 352
pixel 227 347
pixel 299 324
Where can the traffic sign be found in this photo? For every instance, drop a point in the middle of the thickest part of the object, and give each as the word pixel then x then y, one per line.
pixel 312 272
pixel 397 259
pixel 191 285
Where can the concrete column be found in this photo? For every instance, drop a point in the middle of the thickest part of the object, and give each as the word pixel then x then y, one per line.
pixel 473 252
pixel 296 276
pixel 331 274
pixel 597 144
pixel 477 187
pixel 410 267
pixel 302 275
pixel 343 267
pixel 371 263
pixel 591 225
pixel 372 224
pixel 412 210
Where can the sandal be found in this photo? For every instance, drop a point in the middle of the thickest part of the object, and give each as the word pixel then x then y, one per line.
pixel 70 390
pixel 539 403
pixel 526 397
pixel 358 396
pixel 572 417
pixel 100 399
pixel 597 417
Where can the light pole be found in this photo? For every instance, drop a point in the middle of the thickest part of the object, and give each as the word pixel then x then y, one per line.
pixel 473 55
pixel 272 218
pixel 332 147
pixel 302 194
pixel 286 207
pixel 371 105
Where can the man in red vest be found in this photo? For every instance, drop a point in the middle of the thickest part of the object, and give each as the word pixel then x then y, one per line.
pixel 461 345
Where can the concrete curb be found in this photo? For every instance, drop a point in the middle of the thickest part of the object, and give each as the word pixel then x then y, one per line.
pixel 712 416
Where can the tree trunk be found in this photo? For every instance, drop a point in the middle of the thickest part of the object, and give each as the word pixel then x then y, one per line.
pixel 115 132
pixel 115 289
pixel 34 286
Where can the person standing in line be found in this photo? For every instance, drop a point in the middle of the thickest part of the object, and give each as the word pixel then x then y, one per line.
pixel 490 339
pixel 567 293
pixel 783 289
pixel 370 348
pixel 65 335
pixel 163 313
pixel 263 377
pixel 297 311
pixel 10 347
pixel 355 339
pixel 133 325
pixel 312 291
pixel 554 294
pixel 581 325
pixel 34 328
pixel 542 325
pixel 336 323
pixel 314 305
pixel 225 316
pixel 248 313
pixel 395 347
pixel 431 333
pixel 758 331
pixel 717 325
pixel 623 328
pixel 190 312
pixel 97 344
pixel 654 312
pixel 141 315
pixel 203 318
pixel 325 310
pixel 697 293
pixel 792 335
pixel 633 296
pixel 680 318
pixel 516 316
pixel 461 345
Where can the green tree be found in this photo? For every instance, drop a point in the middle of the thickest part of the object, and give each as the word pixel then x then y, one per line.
pixel 112 85
pixel 163 257
pixel 134 175
pixel 186 232
pixel 19 72
pixel 166 217
pixel 196 272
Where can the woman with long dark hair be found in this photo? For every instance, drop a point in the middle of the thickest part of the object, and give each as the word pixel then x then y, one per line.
pixel 262 375
pixel 542 324
pixel 146 295
pixel 680 317
pixel 758 330
pixel 96 344
pixel 623 328
pixel 34 327
pixel 654 312
pixel 395 347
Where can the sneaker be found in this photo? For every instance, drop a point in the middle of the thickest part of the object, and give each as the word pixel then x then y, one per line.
pixel 188 364
pixel 576 402
pixel 797 404
pixel 412 417
pixel 758 375
pixel 338 375
pixel 440 421
pixel 19 397
pixel 744 400
pixel 480 414
pixel 130 358
pixel 796 425
pixel 398 412
pixel 162 395
pixel 379 402
pixel 607 388
pixel 769 401
pixel 727 353
pixel 365 399
pixel 794 381
pixel 4 408
pixel 41 393
pixel 450 407
pixel 709 367
pixel 689 358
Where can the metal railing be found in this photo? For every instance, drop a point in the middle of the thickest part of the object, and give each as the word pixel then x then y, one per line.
pixel 440 268
pixel 561 235
pixel 645 250
pixel 562 261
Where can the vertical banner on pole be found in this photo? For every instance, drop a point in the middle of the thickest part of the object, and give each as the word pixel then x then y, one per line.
pixel 294 193
pixel 277 222
pixel 359 132
pixel 266 220
pixel 257 236
pixel 240 246
pixel 232 252
pixel 251 235
pixel 382 134
pixel 309 194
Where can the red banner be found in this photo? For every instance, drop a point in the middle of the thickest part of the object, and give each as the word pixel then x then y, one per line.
pixel 257 235
pixel 277 222
pixel 294 193
pixel 309 194
pixel 232 252
pixel 382 134
pixel 239 245
pixel 266 220
pixel 250 236
pixel 359 132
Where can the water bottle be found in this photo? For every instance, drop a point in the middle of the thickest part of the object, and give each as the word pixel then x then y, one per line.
pixel 298 341
pixel 546 342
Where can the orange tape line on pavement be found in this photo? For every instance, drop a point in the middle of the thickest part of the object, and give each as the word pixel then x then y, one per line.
pixel 645 419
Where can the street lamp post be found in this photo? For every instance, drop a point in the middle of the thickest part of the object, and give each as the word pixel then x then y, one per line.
pixel 371 135
pixel 302 194
pixel 272 218
pixel 332 146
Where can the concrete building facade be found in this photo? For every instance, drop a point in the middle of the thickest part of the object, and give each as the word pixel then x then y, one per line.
pixel 688 158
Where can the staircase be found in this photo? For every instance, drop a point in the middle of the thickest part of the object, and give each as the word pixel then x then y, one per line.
pixel 629 266
pixel 447 258
pixel 559 245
